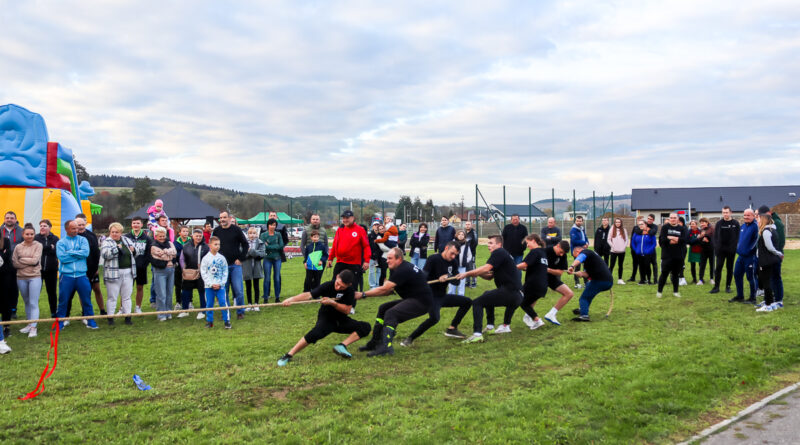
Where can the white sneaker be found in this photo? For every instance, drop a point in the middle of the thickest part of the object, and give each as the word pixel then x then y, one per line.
pixel 552 319
pixel 248 309
pixel 502 329
pixel 352 311
pixel 676 294
pixel 712 282
pixel 765 309
pixel 177 307
pixel 682 282
pixel 620 281
pixel 658 294
pixel 32 333
pixel 191 306
pixel 25 330
pixel 257 309
pixel 489 327
pixel 760 293
pixel 700 283
pixel 578 286
pixel 183 315
pixel 119 312
pixel 201 315
pixel 4 349
pixel 138 310
pixel 528 321
pixel 66 323
pixel 85 323
pixel 537 324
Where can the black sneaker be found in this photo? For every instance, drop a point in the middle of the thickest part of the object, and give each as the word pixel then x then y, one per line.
pixel 715 290
pixel 736 300
pixel 728 290
pixel 584 318
pixel 128 321
pixel 642 283
pixel 632 278
pixel 454 333
pixel 6 332
pixel 227 325
pixel 750 301
pixel 576 311
pixel 111 322
pixel 367 347
pixel 209 324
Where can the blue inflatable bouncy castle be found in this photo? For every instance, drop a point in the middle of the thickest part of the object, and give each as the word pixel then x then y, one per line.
pixel 38 179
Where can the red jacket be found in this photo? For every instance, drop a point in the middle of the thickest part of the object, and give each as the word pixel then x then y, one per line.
pixel 350 245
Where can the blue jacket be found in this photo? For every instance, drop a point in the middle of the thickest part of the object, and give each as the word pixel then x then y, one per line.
pixel 748 239
pixel 443 236
pixel 643 244
pixel 577 237
pixel 72 253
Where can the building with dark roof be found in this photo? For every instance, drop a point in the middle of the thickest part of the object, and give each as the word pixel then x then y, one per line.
pixel 708 201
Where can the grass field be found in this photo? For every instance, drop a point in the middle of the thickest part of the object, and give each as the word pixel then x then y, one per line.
pixel 656 371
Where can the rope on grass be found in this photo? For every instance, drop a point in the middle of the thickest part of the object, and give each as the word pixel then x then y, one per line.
pixel 145 314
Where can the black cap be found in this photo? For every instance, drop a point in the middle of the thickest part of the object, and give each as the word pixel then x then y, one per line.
pixel 763 210
pixel 347 213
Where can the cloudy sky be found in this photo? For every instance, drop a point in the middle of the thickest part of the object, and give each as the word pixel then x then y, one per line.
pixel 378 99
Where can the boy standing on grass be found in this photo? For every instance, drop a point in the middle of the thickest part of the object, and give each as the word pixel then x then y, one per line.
pixel 214 270
pixel 338 298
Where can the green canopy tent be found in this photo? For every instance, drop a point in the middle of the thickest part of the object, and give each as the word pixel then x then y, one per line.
pixel 263 217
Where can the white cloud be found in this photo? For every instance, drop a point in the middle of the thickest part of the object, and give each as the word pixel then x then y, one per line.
pixel 377 100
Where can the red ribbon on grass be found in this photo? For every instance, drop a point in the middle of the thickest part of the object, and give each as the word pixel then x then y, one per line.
pixel 48 371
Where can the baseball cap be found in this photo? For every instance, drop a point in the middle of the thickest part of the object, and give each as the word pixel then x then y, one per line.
pixel 763 210
pixel 347 213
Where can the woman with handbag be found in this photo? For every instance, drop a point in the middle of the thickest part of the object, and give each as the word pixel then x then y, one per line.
pixel 119 270
pixel 191 256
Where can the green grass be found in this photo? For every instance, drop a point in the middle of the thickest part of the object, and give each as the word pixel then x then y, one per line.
pixel 655 372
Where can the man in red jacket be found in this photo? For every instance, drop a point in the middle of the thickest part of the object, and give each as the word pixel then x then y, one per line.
pixel 350 248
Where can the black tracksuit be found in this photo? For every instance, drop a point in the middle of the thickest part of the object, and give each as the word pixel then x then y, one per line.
pixel 601 246
pixel 435 267
pixel 671 254
pixel 726 238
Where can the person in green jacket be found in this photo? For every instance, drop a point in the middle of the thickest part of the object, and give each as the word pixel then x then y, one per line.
pixel 272 260
pixel 779 242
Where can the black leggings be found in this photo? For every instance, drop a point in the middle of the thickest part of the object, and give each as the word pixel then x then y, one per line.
pixel 644 263
pixel 635 260
pixel 254 283
pixel 502 296
pixel 50 279
pixel 528 301
pixel 462 303
pixel 707 256
pixel 765 283
pixel 614 258
pixel 671 267
pixel 724 259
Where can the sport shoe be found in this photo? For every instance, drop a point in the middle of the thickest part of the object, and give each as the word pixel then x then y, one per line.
pixel 407 342
pixel 552 319
pixel 32 333
pixel 676 294
pixel 576 311
pixel 700 283
pixel 201 315
pixel 352 311
pixel 537 324
pixel 454 333
pixel 283 361
pixel 760 305
pixel 474 338
pixel 584 318
pixel 502 329
pixel 341 351
pixel 66 323
pixel 4 349
pixel 209 324
pixel 736 300
pixel 759 292
pixel 778 304
pixel 227 325
pixel 713 283
pixel 620 281
pixel 489 327
pixel 765 309
pixel 191 306
pixel 177 307
pixel 682 282
pixel 26 329
pixel 728 290
pixel 91 324
pixel 642 283
pixel 183 315
pixel 714 290
pixel 528 321
pixel 578 286
pixel 248 309
pixel 138 310
pixel 85 322
pixel 257 309
pixel 658 294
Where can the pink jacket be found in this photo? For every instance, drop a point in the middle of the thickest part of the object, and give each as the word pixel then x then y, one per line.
pixel 618 243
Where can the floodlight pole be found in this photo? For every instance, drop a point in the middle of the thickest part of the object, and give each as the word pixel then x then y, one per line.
pixel 530 212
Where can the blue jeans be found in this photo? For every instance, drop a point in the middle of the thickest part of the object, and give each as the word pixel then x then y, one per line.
pixel 745 265
pixel 417 261
pixel 163 283
pixel 152 287
pixel 593 287
pixel 221 296
pixel 67 287
pixel 234 281
pixel 272 272
pixel 777 281
pixel 374 274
